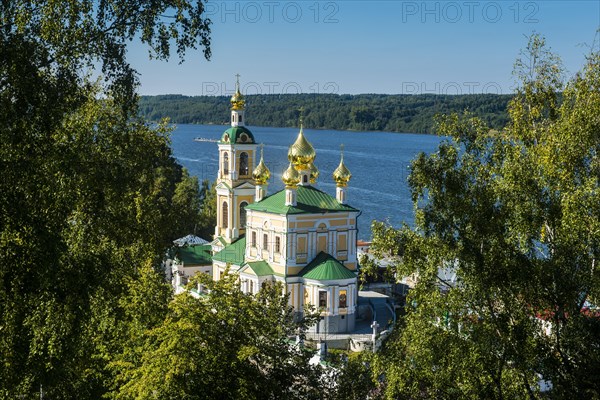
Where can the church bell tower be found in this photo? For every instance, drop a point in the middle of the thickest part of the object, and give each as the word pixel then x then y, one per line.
pixel 235 184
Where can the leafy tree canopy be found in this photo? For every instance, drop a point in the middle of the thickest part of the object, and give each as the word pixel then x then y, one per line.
pixel 515 214
pixel 60 38
pixel 89 193
pixel 226 345
pixel 395 113
pixel 208 212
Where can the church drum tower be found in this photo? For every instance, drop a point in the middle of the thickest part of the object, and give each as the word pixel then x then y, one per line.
pixel 235 184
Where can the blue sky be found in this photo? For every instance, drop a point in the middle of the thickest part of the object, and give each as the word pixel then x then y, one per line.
pixel 370 46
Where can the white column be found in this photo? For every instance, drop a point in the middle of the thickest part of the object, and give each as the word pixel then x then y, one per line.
pixel 290 197
pixel 291 248
pixel 351 298
pixel 260 192
pixel 233 170
pixel 331 243
pixel 234 217
pixel 231 162
pixel 230 212
pixel 271 247
pixel 340 194
pixel 351 245
pixel 336 304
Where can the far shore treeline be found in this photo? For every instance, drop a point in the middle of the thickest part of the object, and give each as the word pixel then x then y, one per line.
pixel 364 112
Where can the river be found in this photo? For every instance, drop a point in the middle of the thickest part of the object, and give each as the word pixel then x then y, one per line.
pixel 379 163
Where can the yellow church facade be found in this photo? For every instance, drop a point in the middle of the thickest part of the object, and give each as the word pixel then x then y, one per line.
pixel 300 236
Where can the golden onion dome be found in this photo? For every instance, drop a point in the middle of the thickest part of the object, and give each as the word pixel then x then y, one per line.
pixel 342 174
pixel 314 173
pixel 291 177
pixel 261 173
pixel 301 154
pixel 237 100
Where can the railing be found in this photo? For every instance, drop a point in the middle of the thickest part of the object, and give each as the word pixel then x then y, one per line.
pixel 337 336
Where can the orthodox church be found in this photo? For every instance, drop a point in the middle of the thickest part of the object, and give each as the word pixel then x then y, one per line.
pixel 299 236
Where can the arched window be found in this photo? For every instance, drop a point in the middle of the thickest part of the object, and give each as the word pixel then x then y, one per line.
pixel 225 164
pixel 243 204
pixel 224 215
pixel 342 303
pixel 243 164
pixel 322 299
pixel 240 118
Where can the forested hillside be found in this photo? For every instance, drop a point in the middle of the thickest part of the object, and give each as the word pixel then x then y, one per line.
pixel 395 113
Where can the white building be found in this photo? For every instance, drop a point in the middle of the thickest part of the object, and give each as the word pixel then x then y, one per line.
pixel 299 236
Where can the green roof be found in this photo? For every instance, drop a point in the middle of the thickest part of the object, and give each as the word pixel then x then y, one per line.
pixel 326 268
pixel 261 268
pixel 235 135
pixel 309 200
pixel 194 255
pixel 234 253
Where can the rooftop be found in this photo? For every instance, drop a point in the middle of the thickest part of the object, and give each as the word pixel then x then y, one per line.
pixel 237 134
pixel 234 253
pixel 309 201
pixel 194 255
pixel 261 268
pixel 325 268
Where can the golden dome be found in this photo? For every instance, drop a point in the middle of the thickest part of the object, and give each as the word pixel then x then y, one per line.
pixel 301 153
pixel 314 173
pixel 261 173
pixel 342 174
pixel 291 177
pixel 237 100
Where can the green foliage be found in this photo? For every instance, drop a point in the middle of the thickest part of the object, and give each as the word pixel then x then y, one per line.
pixel 87 189
pixel 225 345
pixel 76 225
pixel 208 213
pixel 188 199
pixel 395 113
pixel 354 379
pixel 197 207
pixel 516 214
pixel 62 38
